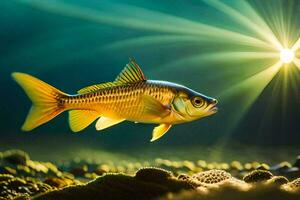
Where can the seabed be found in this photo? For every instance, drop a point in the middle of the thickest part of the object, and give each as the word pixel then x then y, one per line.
pixel 24 178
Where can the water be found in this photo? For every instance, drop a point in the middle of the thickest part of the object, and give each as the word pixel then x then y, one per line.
pixel 72 44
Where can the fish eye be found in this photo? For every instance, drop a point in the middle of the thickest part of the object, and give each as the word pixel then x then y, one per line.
pixel 197 101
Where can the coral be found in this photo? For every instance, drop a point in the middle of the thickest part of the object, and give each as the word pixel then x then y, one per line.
pixel 257 176
pixel 210 177
pixel 184 177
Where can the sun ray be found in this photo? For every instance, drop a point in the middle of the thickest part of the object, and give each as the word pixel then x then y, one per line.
pixel 296 46
pixel 264 31
pixel 297 62
pixel 144 19
pixel 156 40
pixel 200 60
pixel 248 90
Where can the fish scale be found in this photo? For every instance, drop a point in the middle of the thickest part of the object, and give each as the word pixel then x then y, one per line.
pixel 121 99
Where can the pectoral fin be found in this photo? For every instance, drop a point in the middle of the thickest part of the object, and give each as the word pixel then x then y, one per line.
pixel 154 107
pixel 159 131
pixel 105 122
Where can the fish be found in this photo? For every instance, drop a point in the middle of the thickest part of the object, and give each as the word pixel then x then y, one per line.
pixel 131 97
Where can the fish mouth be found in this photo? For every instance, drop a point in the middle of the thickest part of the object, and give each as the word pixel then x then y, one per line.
pixel 213 109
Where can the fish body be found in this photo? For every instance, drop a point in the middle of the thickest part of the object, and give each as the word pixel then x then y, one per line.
pixel 130 97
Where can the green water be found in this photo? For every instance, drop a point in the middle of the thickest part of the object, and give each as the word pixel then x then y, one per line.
pixel 221 50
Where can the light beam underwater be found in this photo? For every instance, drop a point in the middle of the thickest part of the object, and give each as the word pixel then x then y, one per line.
pixel 143 19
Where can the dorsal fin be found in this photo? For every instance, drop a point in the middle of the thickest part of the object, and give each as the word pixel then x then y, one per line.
pixel 132 73
pixel 96 87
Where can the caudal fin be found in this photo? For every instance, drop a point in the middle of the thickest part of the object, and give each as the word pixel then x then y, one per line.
pixel 44 97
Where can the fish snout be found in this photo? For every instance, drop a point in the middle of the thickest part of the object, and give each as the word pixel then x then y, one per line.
pixel 213 108
pixel 214 101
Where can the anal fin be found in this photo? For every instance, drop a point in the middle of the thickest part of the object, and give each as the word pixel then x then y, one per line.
pixel 80 119
pixel 159 131
pixel 105 122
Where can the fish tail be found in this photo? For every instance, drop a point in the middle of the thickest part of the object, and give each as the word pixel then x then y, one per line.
pixel 44 97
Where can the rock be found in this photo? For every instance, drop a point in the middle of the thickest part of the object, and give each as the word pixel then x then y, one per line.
pixel 5 177
pixel 263 166
pixel 162 177
pixel 293 172
pixel 80 171
pixel 257 176
pixel 7 170
pixel 293 186
pixel 277 180
pixel 236 165
pixel 297 162
pixel 15 157
pixel 281 167
pixel 59 182
pixel 12 187
pixel 100 171
pixel 120 186
pixel 236 192
pixel 295 183
pixel 153 174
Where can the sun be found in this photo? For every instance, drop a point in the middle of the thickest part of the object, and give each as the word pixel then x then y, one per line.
pixel 287 55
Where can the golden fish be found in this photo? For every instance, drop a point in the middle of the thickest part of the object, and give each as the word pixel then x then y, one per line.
pixel 130 97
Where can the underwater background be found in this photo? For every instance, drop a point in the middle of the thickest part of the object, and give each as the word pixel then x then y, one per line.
pixel 205 45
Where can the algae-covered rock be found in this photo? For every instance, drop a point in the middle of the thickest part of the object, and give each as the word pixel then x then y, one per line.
pixel 12 187
pixel 277 180
pixel 5 177
pixel 153 174
pixel 295 184
pixel 297 162
pixel 257 176
pixel 148 183
pixel 59 182
pixel 15 157
pixel 236 192
pixel 80 170
pixel 281 167
pixel 162 177
pixel 263 166
pixel 18 164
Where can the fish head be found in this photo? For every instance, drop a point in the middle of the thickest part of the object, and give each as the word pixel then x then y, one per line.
pixel 192 105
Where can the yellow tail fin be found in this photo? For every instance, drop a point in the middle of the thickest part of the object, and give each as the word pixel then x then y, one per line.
pixel 44 97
